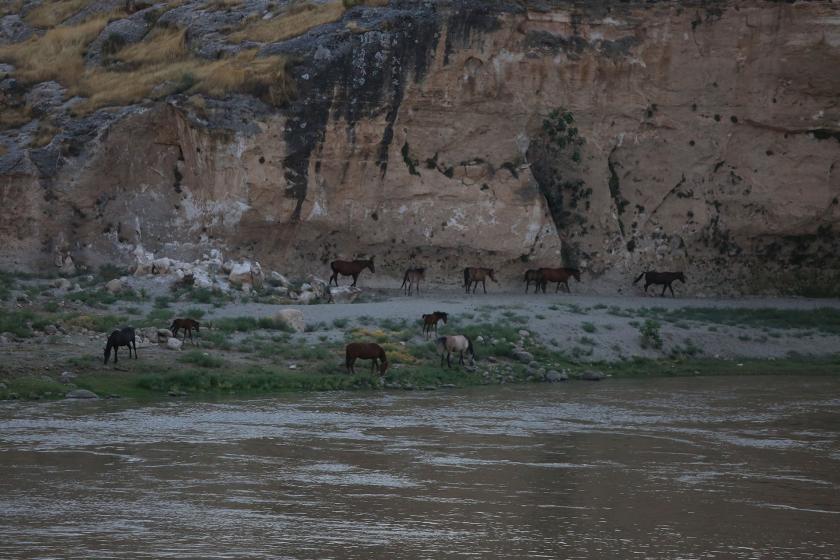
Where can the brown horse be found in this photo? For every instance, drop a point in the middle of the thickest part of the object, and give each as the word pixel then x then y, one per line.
pixel 365 351
pixel 117 338
pixel 559 275
pixel 474 275
pixel 413 276
pixel 534 276
pixel 187 324
pixel 664 278
pixel 350 268
pixel 430 321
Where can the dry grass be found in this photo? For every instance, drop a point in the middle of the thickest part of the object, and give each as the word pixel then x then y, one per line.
pixel 220 5
pixel 46 132
pixel 57 55
pixel 297 20
pixel 10 7
pixel 163 60
pixel 52 12
pixel 13 117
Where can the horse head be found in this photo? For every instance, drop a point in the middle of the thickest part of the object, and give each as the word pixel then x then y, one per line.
pixel 370 265
pixel 442 315
pixel 576 273
pixel 681 277
pixel 383 367
pixel 492 275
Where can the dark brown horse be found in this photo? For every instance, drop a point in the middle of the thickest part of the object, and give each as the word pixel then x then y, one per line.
pixel 350 268
pixel 474 275
pixel 117 338
pixel 664 278
pixel 413 276
pixel 559 275
pixel 365 351
pixel 187 324
pixel 534 276
pixel 430 322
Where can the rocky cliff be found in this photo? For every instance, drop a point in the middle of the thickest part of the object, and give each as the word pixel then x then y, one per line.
pixel 614 136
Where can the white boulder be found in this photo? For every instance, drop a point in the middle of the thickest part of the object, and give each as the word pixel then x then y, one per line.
pixel 174 344
pixel 344 294
pixel 291 317
pixel 115 285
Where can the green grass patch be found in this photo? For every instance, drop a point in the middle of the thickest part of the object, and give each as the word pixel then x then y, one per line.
pixel 201 359
pixel 824 319
pixel 588 327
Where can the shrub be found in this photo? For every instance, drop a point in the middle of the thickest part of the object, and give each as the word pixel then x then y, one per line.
pixel 201 359
pixel 588 327
pixel 651 337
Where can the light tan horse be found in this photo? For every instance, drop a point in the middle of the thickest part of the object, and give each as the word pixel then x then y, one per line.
pixel 456 343
pixel 413 276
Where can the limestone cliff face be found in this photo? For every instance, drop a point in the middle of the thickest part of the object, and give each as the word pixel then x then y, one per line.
pixel 422 134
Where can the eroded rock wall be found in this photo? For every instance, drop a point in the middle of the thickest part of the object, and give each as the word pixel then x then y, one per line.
pixel 711 144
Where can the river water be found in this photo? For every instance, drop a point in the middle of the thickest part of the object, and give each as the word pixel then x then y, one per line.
pixel 665 468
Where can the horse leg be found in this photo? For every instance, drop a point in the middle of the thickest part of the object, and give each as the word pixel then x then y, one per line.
pixel 484 285
pixel 116 349
pixel 373 366
pixel 449 359
pixel 461 358
pixel 334 277
pixel 349 365
pixel 355 277
pixel 670 287
pixel 441 359
pixel 566 285
pixel 664 287
pixel 557 289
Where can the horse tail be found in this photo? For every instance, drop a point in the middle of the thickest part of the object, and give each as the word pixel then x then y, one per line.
pixel 470 347
pixel 639 277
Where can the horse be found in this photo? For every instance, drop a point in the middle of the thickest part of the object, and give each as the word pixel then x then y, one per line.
pixel 664 278
pixel 187 324
pixel 350 268
pixel 430 321
pixel 534 276
pixel 365 351
pixel 559 275
pixel 475 275
pixel 413 276
pixel 457 343
pixel 117 338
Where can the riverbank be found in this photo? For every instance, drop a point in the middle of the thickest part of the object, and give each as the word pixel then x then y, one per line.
pixel 52 342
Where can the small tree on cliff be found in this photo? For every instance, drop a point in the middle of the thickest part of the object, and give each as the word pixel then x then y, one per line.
pixel 555 157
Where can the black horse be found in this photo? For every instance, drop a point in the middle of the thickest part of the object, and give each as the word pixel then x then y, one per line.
pixel 664 278
pixel 122 337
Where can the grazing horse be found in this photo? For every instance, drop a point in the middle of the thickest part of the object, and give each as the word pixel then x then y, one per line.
pixel 559 275
pixel 457 343
pixel 534 276
pixel 350 268
pixel 430 321
pixel 413 276
pixel 187 324
pixel 474 275
pixel 365 351
pixel 664 278
pixel 122 337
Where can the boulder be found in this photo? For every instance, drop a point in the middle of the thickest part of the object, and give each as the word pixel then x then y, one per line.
pixel 50 330
pixel 278 279
pixel 344 294
pixel 67 377
pixel 319 286
pixel 161 265
pixel 523 356
pixel 174 344
pixel 68 267
pixel 307 297
pixel 593 375
pixel 292 317
pixel 246 273
pixel 163 335
pixel 115 285
pixel 81 394
pixel 554 376
pixel 62 284
pixel 523 333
